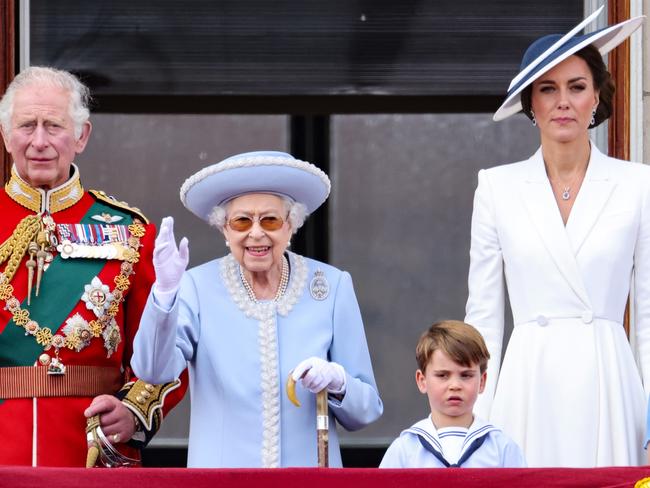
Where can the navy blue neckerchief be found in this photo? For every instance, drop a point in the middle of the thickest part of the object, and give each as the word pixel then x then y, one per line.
pixel 470 450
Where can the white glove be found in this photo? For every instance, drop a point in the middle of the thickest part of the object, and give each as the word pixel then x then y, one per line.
pixel 317 374
pixel 169 261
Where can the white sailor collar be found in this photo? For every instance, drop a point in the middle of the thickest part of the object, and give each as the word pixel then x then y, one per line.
pixel 427 431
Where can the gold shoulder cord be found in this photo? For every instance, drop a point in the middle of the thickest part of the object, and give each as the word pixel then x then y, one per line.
pixel 32 235
pixel 15 247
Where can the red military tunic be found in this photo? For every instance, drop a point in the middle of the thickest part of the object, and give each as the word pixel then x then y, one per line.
pixel 45 430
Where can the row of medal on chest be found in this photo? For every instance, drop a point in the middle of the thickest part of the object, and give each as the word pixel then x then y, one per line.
pixel 98 241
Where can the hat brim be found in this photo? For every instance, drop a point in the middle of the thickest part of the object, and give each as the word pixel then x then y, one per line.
pixel 275 173
pixel 604 40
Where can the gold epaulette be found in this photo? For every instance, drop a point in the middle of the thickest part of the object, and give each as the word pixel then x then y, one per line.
pixel 146 401
pixel 102 196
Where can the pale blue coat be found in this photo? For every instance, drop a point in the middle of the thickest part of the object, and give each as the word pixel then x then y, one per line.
pixel 208 330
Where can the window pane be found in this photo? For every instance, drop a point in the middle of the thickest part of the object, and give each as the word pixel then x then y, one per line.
pixel 401 204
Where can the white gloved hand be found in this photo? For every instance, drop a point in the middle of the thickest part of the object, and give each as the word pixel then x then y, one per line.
pixel 169 261
pixel 316 374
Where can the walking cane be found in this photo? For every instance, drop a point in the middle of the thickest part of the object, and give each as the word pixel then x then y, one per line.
pixel 322 421
pixel 322 428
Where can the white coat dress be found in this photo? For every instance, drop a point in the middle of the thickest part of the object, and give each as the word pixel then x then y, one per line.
pixel 569 391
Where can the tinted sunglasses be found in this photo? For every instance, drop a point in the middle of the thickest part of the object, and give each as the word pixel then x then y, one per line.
pixel 242 224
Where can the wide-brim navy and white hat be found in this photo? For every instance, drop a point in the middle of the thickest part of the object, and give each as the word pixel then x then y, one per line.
pixel 272 172
pixel 549 51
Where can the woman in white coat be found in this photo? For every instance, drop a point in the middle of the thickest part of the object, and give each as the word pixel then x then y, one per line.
pixel 568 229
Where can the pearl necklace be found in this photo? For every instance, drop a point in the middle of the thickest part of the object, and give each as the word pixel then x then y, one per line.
pixel 282 288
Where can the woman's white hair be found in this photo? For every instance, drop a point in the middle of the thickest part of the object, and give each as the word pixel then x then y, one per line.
pixel 297 214
pixel 42 75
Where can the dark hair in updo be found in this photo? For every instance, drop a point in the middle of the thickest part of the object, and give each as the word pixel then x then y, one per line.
pixel 602 82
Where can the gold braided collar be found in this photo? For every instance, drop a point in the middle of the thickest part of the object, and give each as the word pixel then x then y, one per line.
pixel 39 200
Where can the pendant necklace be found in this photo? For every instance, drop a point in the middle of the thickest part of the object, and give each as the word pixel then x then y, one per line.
pixel 566 193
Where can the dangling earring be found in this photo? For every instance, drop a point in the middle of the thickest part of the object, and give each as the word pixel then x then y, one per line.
pixel 593 116
pixel 289 243
pixel 227 243
pixel 534 120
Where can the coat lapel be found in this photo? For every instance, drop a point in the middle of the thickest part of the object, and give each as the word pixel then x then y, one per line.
pixel 594 194
pixel 544 213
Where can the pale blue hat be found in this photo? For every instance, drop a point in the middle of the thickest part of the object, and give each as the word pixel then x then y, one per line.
pixel 255 172
pixel 549 51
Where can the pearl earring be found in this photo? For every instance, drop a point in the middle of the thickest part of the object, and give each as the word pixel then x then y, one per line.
pixel 227 244
pixel 534 120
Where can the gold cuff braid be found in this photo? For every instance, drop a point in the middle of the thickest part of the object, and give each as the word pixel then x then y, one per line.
pixel 146 401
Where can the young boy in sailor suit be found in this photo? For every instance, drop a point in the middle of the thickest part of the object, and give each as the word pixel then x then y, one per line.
pixel 452 359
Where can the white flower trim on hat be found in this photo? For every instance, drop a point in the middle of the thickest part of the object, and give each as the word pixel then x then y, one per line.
pixel 250 161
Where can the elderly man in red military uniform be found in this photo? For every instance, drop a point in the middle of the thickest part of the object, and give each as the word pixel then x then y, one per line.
pixel 76 273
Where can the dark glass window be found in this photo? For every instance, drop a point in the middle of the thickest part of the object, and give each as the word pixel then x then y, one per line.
pixel 290 47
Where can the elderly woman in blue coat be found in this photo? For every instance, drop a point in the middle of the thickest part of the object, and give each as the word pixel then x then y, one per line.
pixel 245 322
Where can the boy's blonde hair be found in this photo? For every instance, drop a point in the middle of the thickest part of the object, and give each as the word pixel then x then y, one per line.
pixel 460 341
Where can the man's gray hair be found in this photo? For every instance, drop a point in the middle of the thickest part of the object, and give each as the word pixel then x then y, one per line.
pixel 297 214
pixel 42 75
